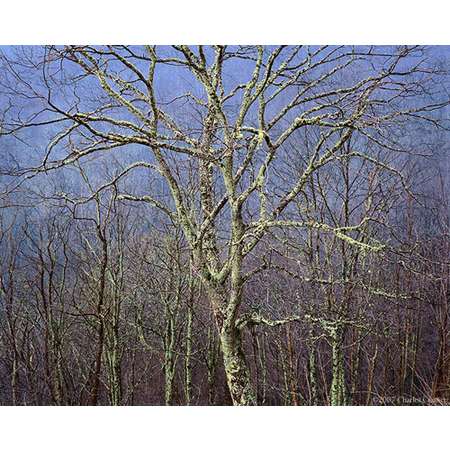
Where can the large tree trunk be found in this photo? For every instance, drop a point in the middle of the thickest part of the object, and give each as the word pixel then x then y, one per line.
pixel 225 305
pixel 236 368
pixel 225 302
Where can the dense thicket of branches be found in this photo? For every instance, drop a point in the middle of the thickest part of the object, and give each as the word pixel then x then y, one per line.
pixel 224 225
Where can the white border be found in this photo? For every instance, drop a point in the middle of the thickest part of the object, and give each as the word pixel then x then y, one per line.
pixel 224 427
pixel 225 21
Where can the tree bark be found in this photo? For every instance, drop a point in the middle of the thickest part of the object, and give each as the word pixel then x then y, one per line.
pixel 338 395
pixel 236 368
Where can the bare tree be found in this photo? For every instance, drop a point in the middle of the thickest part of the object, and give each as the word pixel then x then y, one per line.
pixel 220 143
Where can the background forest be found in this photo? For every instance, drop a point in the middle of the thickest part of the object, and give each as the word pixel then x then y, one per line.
pixel 217 225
